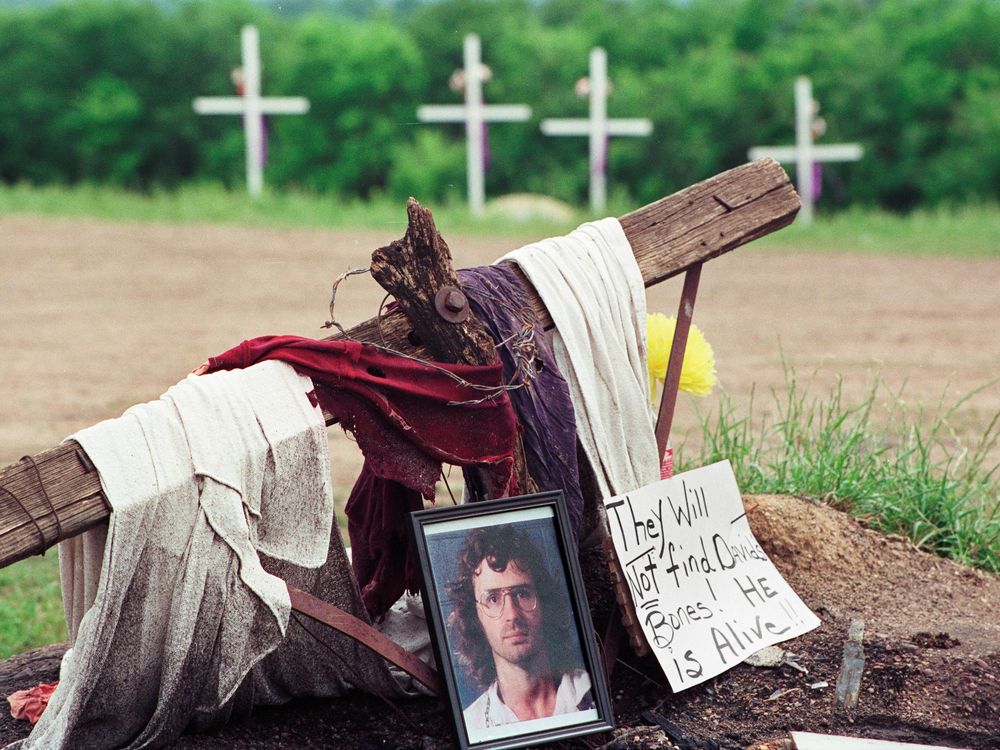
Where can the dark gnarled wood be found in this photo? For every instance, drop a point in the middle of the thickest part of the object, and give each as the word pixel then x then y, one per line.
pixel 412 270
pixel 688 227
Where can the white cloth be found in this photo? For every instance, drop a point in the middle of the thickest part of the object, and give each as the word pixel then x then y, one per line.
pixel 232 416
pixel 592 287
pixel 572 695
pixel 80 561
pixel 406 624
pixel 220 467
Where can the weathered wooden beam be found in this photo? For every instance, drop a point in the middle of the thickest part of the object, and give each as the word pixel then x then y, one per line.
pixel 694 225
pixel 417 271
pixel 66 502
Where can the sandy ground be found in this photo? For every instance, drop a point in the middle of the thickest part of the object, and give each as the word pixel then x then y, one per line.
pixel 97 316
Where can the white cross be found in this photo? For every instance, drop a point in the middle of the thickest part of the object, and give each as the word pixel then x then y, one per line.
pixel 805 153
pixel 474 113
pixel 598 127
pixel 253 107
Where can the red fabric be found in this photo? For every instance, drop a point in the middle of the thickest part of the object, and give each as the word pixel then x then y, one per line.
pixel 399 412
pixel 667 465
pixel 29 704
pixel 381 557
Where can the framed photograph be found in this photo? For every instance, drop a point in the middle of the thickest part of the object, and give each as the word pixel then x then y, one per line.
pixel 510 622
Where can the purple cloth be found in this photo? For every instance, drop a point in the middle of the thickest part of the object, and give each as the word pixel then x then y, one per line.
pixel 544 408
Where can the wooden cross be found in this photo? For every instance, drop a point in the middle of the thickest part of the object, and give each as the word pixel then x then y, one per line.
pixel 474 114
pixel 805 154
pixel 598 127
pixel 253 107
pixel 57 494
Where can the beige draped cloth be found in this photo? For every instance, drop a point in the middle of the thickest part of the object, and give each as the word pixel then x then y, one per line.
pixel 220 490
pixel 593 289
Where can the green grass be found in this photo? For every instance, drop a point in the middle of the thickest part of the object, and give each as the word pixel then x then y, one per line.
pixel 967 231
pixel 904 473
pixel 31 613
pixel 214 203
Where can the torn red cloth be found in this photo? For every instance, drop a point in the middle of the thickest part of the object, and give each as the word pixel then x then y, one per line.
pixel 405 419
pixel 29 704
pixel 381 557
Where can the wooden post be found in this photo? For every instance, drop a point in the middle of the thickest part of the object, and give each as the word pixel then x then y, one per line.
pixel 671 383
pixel 415 270
pixel 667 237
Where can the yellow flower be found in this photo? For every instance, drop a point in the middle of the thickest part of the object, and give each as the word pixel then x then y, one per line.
pixel 698 371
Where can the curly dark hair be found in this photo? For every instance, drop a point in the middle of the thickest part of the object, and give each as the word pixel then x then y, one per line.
pixel 499 546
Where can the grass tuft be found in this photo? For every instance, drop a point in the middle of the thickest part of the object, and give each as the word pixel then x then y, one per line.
pixel 31 614
pixel 903 473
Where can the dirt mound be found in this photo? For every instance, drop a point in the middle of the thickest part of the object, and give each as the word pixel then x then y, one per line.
pixel 932 670
pixel 838 565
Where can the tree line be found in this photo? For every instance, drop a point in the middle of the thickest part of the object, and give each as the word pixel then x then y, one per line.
pixel 100 91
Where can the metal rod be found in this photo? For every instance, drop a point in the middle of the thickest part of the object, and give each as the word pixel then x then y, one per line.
pixel 668 401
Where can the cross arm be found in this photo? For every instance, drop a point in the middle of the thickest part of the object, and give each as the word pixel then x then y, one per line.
pixel 580 126
pixel 460 112
pixel 63 498
pixel 238 105
pixel 817 152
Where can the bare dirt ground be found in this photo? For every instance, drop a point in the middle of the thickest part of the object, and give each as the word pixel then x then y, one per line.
pixel 95 317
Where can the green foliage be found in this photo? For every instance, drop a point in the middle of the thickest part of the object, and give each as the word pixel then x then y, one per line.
pixel 362 80
pixel 905 473
pixel 430 169
pixel 32 613
pixel 101 90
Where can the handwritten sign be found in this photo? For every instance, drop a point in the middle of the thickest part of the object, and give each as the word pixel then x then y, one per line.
pixel 705 592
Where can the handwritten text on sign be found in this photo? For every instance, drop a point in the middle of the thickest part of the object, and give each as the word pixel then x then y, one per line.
pixel 704 591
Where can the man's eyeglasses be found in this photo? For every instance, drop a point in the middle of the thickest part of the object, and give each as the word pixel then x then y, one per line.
pixel 525 598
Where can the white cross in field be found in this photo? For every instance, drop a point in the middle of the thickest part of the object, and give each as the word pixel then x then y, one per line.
pixel 805 153
pixel 253 107
pixel 474 114
pixel 598 127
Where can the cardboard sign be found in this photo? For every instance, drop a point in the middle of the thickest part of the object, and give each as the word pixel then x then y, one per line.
pixel 705 592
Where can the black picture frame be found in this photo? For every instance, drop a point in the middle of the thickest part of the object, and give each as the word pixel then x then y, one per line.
pixel 562 626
